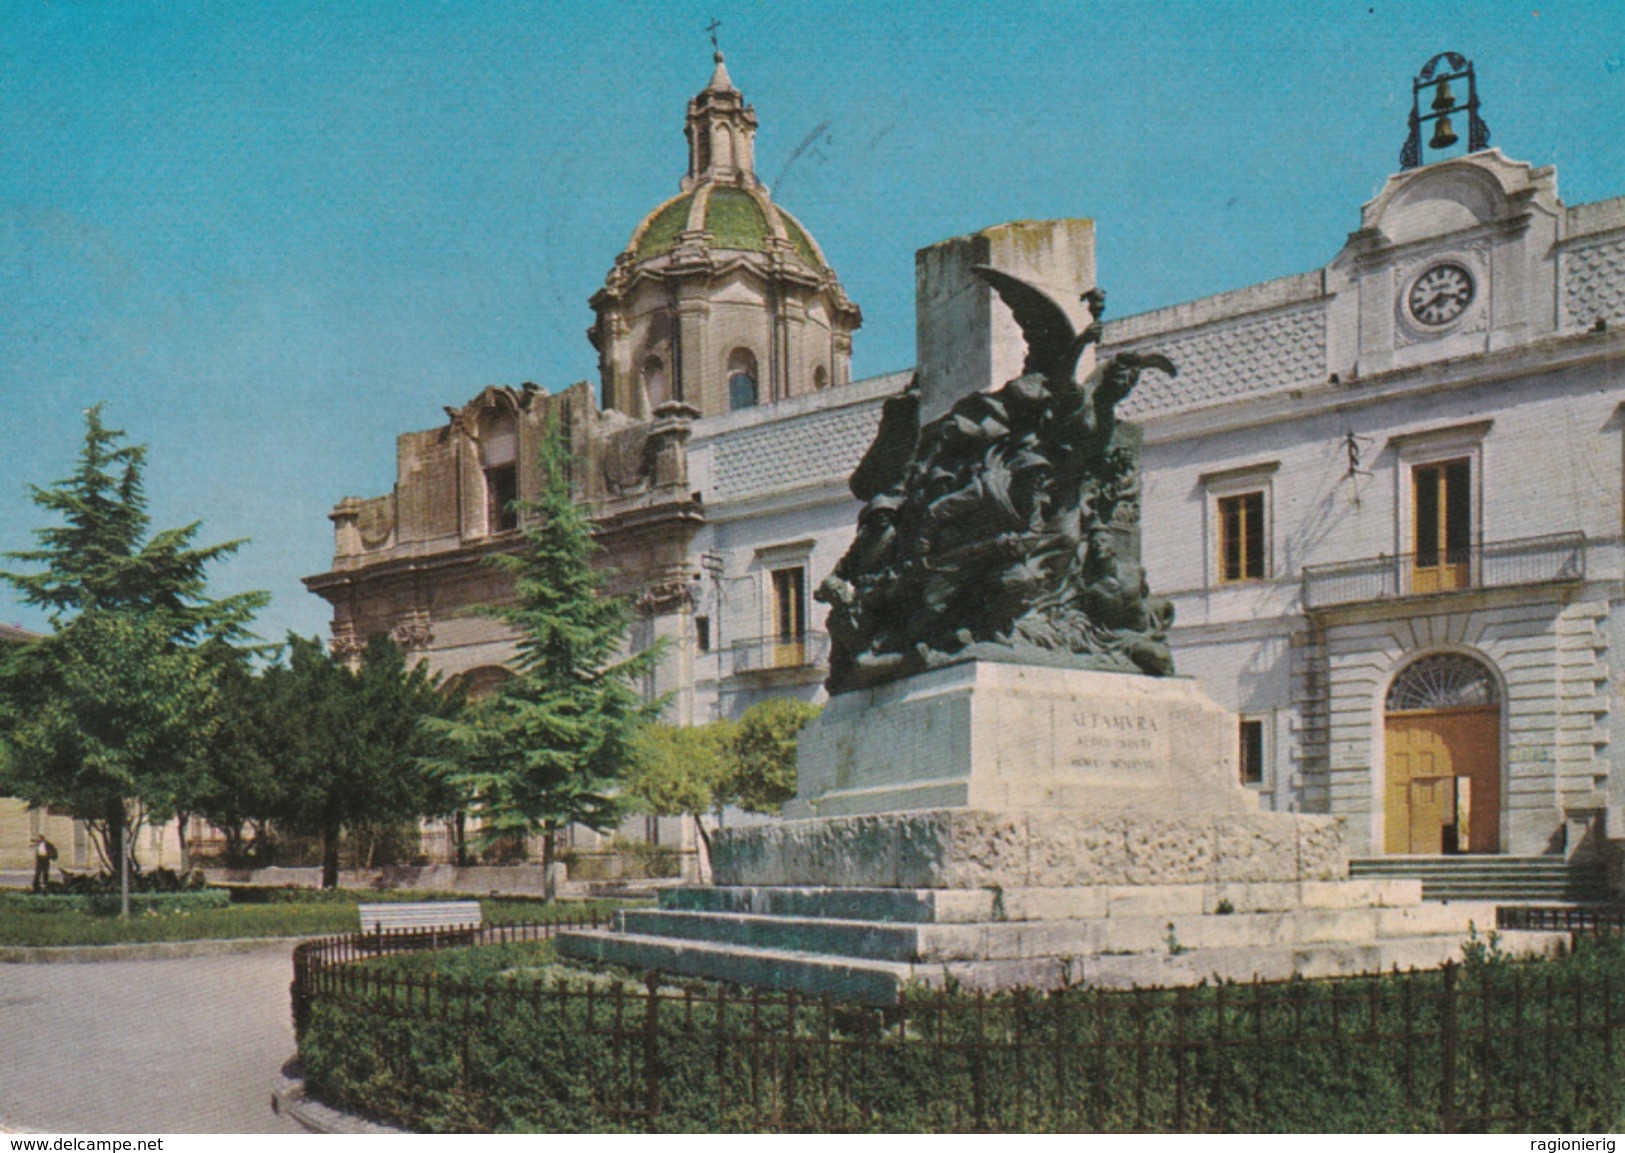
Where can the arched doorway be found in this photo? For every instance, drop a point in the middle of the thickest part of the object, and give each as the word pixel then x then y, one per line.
pixel 1442 723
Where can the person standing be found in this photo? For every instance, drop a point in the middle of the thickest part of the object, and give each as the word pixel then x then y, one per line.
pixel 44 854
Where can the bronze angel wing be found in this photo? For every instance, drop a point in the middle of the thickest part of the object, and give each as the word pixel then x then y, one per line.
pixel 1053 344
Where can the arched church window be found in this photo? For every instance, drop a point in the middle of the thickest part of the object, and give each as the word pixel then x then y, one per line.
pixel 1444 681
pixel 481 683
pixel 499 462
pixel 742 379
pixel 820 378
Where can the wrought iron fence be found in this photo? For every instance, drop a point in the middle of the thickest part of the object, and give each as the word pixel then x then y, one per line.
pixel 1556 558
pixel 1587 920
pixel 766 654
pixel 1488 1046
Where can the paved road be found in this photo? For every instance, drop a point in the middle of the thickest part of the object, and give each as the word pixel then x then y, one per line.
pixel 175 1046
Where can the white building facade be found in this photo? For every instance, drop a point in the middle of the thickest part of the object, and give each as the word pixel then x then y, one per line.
pixel 1386 497
pixel 1386 500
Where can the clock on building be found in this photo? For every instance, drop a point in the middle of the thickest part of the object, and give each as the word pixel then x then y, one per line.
pixel 1441 294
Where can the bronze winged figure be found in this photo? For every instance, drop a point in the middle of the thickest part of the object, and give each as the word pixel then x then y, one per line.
pixel 1007 528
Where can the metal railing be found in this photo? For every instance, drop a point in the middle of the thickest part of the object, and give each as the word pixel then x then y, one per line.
pixel 768 654
pixel 1580 920
pixel 1482 1046
pixel 1558 558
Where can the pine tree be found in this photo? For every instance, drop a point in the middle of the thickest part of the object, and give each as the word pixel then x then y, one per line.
pixel 548 749
pixel 104 716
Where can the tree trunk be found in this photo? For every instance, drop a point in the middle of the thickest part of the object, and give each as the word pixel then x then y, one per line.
pixel 549 855
pixel 704 856
pixel 118 842
pixel 459 838
pixel 262 851
pixel 330 857
pixel 180 832
pixel 236 857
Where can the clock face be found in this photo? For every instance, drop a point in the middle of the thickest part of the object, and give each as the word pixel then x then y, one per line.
pixel 1441 294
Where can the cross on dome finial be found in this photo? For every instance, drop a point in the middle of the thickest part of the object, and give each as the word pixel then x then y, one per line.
pixel 712 28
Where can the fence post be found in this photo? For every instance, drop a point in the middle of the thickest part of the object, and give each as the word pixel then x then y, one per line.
pixel 651 1045
pixel 1181 1004
pixel 721 1027
pixel 979 1056
pixel 1447 1043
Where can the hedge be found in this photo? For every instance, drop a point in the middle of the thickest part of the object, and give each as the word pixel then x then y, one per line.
pixel 499 1040
pixel 109 904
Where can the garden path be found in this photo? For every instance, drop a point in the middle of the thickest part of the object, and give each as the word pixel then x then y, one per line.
pixel 188 1045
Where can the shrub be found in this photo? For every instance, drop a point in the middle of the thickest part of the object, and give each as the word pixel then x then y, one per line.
pixel 109 904
pixel 506 1039
pixel 160 880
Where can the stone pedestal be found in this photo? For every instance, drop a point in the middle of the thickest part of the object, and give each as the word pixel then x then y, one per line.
pixel 1000 737
pixel 997 825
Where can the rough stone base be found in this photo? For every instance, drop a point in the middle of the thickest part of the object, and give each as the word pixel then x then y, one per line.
pixel 969 849
pixel 860 907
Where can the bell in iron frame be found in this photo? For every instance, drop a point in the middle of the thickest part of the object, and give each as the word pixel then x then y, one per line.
pixel 1443 101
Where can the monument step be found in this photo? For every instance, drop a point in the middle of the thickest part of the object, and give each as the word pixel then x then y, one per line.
pixel 870 940
pixel 1280 963
pixel 957 906
pixel 879 982
pixel 1147 932
pixel 816 975
pixel 908 906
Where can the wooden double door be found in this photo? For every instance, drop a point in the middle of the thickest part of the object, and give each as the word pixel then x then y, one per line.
pixel 1443 781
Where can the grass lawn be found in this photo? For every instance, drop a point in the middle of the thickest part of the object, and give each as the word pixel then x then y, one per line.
pixel 322 914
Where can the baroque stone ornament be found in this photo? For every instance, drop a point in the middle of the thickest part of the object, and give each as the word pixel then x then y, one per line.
pixel 1008 528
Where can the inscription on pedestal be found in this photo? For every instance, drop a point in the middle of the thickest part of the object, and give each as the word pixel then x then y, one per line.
pixel 1115 741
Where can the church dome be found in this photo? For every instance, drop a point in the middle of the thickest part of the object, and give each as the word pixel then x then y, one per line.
pixel 721 300
pixel 738 218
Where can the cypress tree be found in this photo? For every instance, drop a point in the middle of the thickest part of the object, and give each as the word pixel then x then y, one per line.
pixel 108 711
pixel 547 750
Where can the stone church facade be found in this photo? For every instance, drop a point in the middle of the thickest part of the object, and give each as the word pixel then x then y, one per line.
pixel 1385 496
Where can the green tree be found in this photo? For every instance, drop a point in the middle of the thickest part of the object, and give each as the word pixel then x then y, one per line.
pixel 349 748
pixel 548 749
pixel 240 790
pixel 105 715
pixel 678 772
pixel 762 762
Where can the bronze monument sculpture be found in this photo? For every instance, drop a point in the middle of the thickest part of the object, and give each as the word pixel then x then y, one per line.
pixel 1007 529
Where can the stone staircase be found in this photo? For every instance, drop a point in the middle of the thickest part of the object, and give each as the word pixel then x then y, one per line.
pixel 867 944
pixel 1491 878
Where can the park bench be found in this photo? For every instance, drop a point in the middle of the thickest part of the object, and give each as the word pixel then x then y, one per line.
pixel 403 923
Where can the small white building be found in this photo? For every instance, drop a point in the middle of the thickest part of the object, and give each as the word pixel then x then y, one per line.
pixel 1386 497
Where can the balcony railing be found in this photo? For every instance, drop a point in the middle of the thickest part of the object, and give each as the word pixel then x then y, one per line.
pixel 1555 559
pixel 775 653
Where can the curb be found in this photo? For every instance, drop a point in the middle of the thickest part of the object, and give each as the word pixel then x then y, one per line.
pixel 289 1101
pixel 142 951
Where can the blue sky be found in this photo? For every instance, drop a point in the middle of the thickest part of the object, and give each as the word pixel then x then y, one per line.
pixel 273 236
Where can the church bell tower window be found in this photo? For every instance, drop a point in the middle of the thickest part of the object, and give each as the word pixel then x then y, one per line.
pixel 742 380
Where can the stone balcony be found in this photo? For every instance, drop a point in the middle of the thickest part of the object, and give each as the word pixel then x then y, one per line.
pixel 1559 558
pixel 775 658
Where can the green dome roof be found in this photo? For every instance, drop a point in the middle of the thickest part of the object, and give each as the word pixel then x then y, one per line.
pixel 738 219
